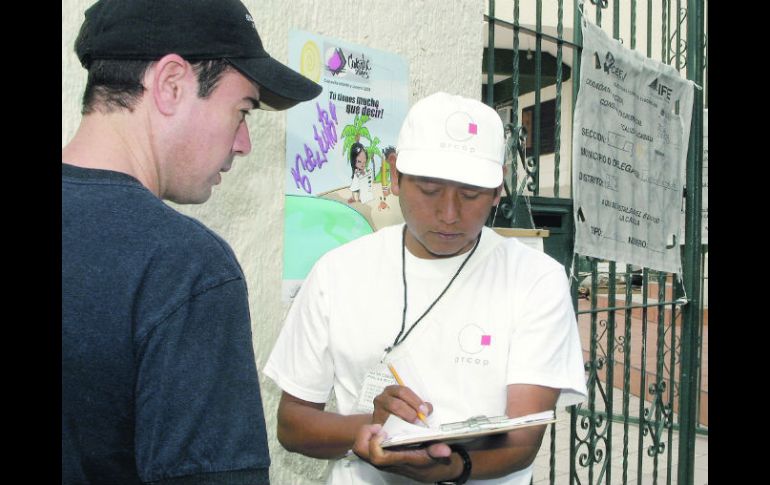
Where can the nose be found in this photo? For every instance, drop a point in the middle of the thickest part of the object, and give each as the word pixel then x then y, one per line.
pixel 449 206
pixel 242 142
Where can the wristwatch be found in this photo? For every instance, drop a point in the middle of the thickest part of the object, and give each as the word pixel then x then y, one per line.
pixel 467 465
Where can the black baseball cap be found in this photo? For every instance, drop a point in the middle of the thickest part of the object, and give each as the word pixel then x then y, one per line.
pixel 196 30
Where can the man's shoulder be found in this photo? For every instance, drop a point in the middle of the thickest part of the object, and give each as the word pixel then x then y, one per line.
pixel 523 255
pixel 118 203
pixel 191 235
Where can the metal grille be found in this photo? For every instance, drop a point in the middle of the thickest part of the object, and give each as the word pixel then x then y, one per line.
pixel 643 331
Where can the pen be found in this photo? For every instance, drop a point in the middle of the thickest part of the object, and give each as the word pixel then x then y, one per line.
pixel 401 383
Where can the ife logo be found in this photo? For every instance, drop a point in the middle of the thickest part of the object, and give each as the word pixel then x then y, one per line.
pixel 661 89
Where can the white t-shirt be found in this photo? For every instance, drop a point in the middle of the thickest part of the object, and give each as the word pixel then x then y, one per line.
pixel 506 319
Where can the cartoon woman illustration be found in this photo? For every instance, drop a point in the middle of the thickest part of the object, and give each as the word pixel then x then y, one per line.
pixel 363 175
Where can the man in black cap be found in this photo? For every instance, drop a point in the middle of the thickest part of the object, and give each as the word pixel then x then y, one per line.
pixel 159 381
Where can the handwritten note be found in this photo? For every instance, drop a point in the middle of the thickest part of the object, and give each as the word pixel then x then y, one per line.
pixel 305 163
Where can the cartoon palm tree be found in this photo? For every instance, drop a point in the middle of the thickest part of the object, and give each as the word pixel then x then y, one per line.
pixel 353 133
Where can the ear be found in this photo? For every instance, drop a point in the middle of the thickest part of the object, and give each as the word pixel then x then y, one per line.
pixel 498 195
pixel 169 83
pixel 394 188
pixel 499 189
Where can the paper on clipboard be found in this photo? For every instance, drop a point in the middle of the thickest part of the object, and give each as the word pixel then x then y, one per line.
pixel 401 433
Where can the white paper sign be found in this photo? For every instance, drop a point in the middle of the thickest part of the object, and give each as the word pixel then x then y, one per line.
pixel 629 155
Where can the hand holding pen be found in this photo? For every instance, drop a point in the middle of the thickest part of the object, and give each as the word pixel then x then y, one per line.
pixel 401 401
pixel 422 408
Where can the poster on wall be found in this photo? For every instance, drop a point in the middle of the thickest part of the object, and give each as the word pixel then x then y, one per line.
pixel 632 124
pixel 337 175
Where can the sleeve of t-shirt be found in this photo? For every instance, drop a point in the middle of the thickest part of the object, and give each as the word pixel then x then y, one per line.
pixel 300 362
pixel 545 345
pixel 198 407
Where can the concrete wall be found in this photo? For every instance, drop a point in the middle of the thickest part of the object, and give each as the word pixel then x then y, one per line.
pixel 443 47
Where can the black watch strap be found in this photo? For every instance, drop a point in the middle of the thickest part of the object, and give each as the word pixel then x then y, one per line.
pixel 467 465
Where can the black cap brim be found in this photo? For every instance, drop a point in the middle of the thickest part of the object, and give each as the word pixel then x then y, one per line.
pixel 280 87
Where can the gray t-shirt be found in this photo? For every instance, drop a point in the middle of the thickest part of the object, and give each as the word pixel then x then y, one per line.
pixel 158 371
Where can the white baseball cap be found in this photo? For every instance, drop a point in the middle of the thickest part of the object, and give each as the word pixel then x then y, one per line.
pixel 455 138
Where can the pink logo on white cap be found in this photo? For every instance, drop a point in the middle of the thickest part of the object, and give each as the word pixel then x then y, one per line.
pixel 460 126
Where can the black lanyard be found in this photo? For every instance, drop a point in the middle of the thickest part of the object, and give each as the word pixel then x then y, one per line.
pixel 399 339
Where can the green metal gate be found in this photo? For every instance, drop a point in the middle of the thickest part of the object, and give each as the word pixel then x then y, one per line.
pixel 642 330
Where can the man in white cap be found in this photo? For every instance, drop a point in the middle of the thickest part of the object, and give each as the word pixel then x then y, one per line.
pixel 477 324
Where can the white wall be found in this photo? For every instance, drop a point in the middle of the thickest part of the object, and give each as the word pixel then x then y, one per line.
pixel 443 47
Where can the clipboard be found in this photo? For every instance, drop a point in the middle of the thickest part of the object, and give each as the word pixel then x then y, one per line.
pixel 471 428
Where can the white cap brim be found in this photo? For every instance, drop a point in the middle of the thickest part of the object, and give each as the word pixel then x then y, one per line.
pixel 450 165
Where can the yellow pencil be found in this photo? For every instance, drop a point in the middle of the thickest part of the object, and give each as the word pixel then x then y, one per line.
pixel 401 383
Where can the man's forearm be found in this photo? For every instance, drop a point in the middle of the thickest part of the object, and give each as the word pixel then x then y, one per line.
pixel 500 455
pixel 314 432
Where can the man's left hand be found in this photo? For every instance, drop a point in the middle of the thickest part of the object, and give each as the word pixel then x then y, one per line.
pixel 429 464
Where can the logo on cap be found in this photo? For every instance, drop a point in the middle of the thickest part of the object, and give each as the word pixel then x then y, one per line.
pixel 250 20
pixel 460 126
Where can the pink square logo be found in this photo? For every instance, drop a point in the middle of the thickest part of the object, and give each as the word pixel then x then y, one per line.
pixel 473 128
pixel 486 340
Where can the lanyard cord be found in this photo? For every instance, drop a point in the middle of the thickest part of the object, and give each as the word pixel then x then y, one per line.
pixel 403 276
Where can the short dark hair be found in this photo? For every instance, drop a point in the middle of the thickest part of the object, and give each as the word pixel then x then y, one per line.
pixel 117 84
pixel 355 150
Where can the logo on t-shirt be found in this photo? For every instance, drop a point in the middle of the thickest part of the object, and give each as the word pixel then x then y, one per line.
pixel 473 341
